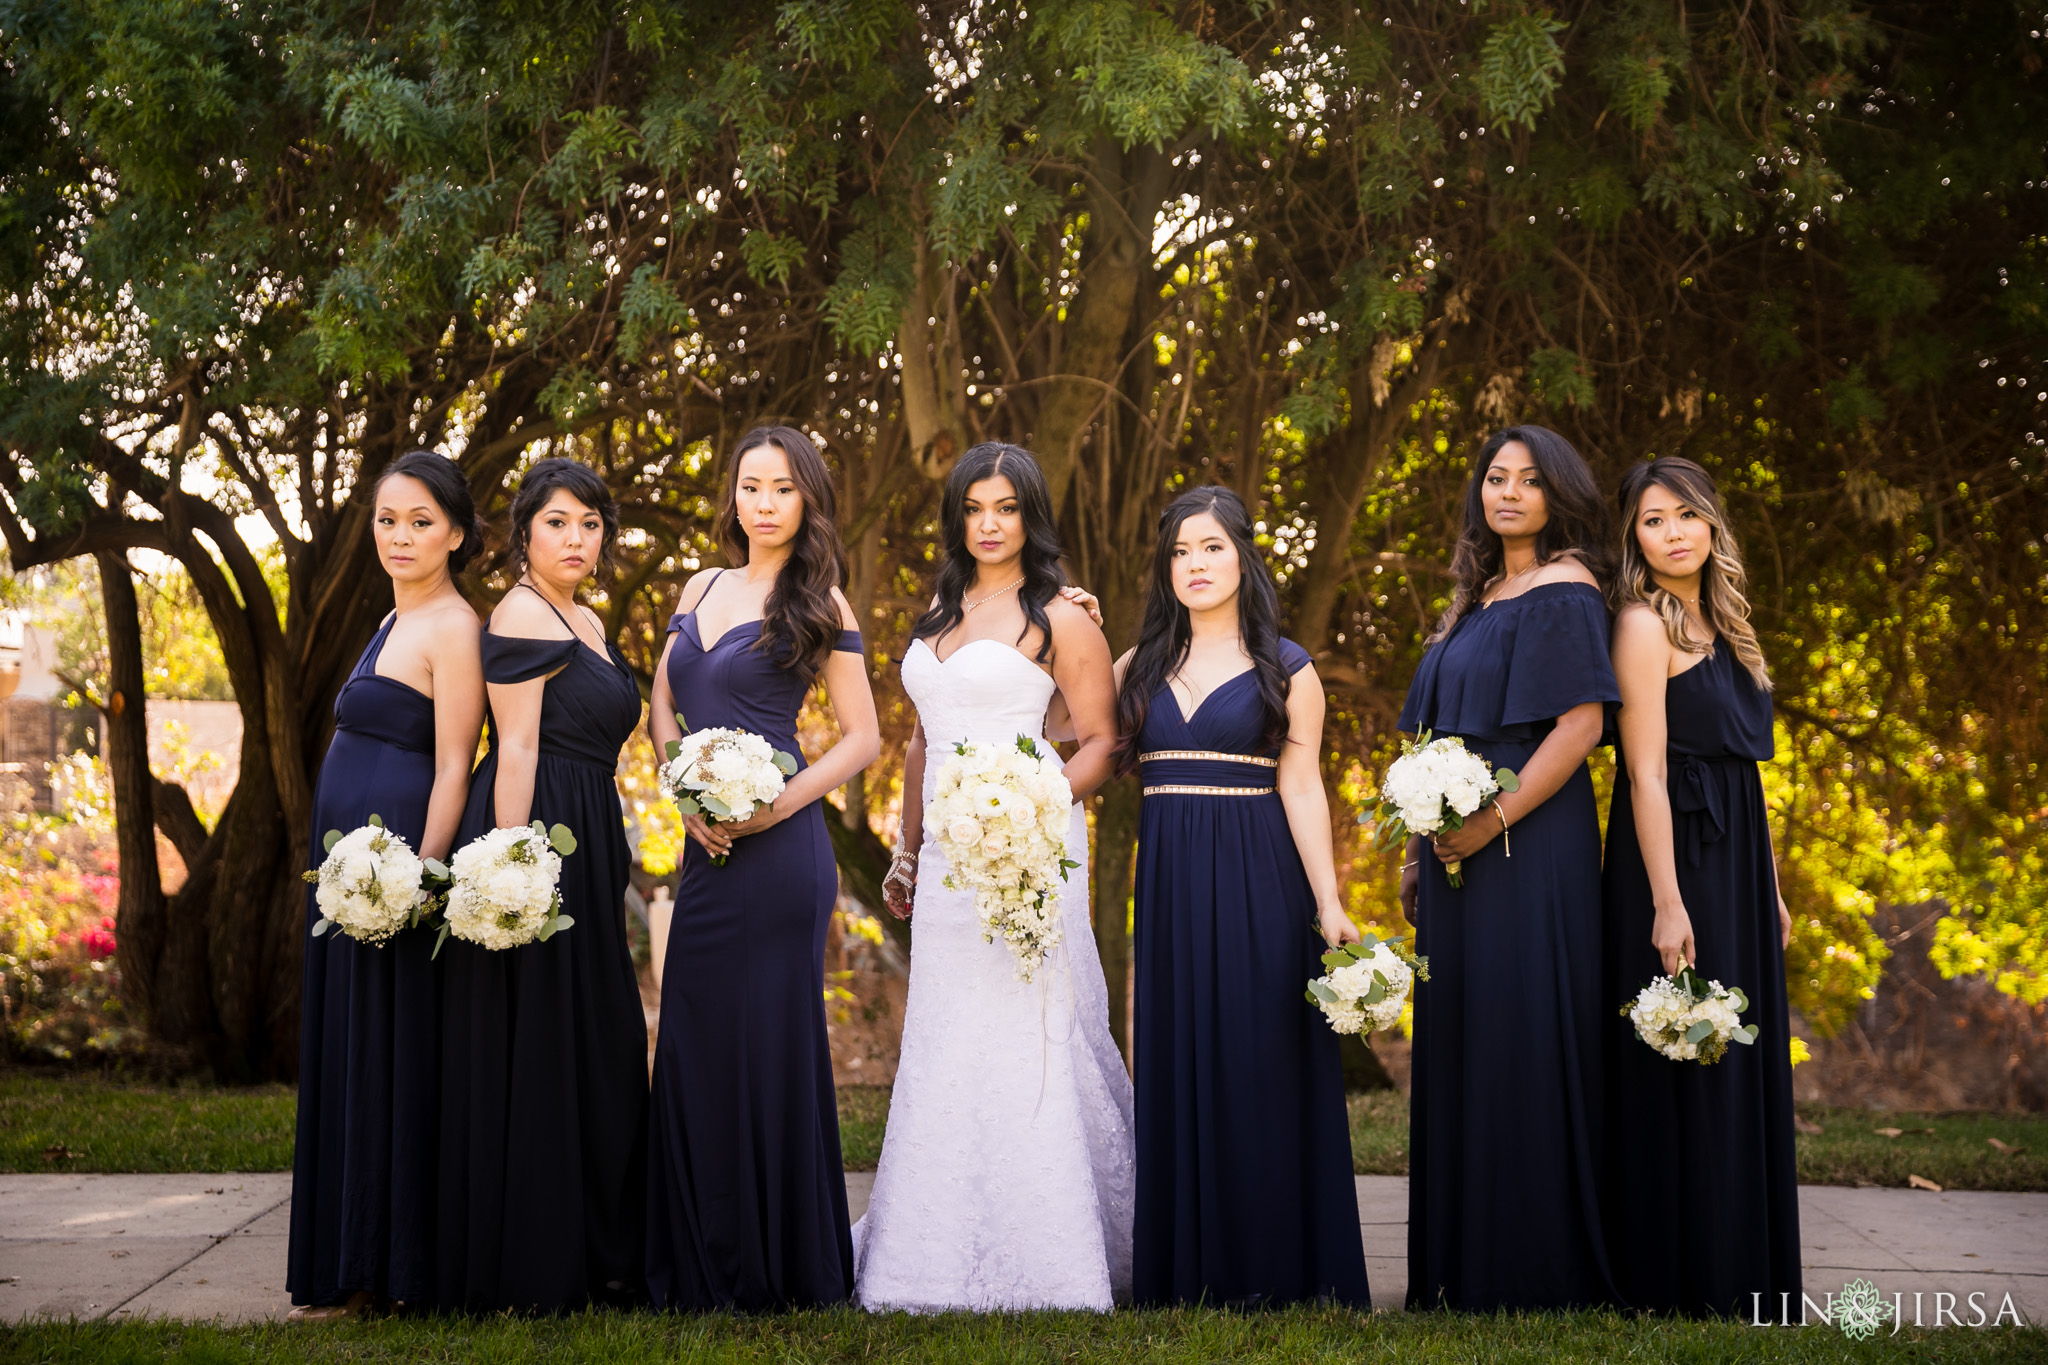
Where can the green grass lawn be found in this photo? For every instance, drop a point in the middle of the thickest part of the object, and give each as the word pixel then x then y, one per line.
pixel 85 1123
pixel 1180 1337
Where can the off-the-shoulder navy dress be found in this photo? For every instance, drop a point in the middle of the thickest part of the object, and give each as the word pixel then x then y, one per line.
pixel 544 1049
pixel 1245 1194
pixel 746 1190
pixel 1706 1149
pixel 1506 1112
pixel 362 1172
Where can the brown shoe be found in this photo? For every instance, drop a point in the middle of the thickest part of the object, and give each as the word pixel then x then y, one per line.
pixel 355 1305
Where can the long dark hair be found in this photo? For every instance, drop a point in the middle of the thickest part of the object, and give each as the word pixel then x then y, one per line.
pixel 800 622
pixel 450 492
pixel 1577 524
pixel 580 482
pixel 1043 574
pixel 1163 639
pixel 1724 584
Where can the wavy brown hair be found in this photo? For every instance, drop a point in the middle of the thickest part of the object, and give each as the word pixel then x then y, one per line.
pixel 800 622
pixel 1577 525
pixel 1724 597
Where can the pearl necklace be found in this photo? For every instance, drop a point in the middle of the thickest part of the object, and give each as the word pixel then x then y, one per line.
pixel 966 607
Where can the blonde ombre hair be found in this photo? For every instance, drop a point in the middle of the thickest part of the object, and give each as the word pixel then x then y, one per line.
pixel 1723 583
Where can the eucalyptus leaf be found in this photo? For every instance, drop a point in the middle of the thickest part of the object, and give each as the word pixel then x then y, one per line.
pixel 1377 993
pixel 1337 959
pixel 327 844
pixel 1745 1034
pixel 672 748
pixel 435 868
pixel 440 939
pixel 564 922
pixel 321 926
pixel 1507 779
pixel 784 764
pixel 1698 1031
pixel 682 724
pixel 688 806
pixel 563 840
pixel 715 806
pixel 1322 992
pixel 1737 1000
pixel 377 820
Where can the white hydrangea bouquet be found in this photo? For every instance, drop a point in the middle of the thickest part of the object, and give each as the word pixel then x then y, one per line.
pixel 1431 788
pixel 1000 813
pixel 503 893
pixel 1367 984
pixel 723 775
pixel 370 884
pixel 1688 1019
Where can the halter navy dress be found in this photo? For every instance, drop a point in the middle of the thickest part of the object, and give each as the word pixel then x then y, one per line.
pixel 746 1190
pixel 362 1170
pixel 544 1050
pixel 1245 1194
pixel 1506 1109
pixel 1704 1148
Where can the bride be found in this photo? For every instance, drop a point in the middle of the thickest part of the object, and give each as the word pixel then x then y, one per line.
pixel 1006 1178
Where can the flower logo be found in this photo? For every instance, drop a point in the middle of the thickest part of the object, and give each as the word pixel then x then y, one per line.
pixel 1859 1310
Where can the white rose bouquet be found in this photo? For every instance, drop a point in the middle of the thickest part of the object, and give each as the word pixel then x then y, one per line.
pixel 370 884
pixel 504 887
pixel 1367 983
pixel 1000 813
pixel 723 775
pixel 1689 1020
pixel 1431 788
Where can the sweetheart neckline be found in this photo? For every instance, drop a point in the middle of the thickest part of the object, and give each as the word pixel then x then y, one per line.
pixel 724 635
pixel 984 640
pixel 1188 718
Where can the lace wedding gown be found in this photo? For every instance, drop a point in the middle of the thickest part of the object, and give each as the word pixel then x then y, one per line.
pixel 1006 1179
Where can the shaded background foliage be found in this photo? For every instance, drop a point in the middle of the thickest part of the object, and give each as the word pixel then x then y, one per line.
pixel 1314 251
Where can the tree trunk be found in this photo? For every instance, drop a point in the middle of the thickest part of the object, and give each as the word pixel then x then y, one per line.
pixel 140 925
pixel 1109 886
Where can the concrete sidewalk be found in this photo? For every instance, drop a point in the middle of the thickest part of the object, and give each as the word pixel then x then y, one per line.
pixel 212 1246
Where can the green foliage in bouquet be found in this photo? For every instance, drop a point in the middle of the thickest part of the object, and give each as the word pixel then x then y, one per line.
pixel 1344 954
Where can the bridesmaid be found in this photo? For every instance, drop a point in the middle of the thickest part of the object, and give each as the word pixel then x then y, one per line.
pixel 544 1049
pixel 1245 1195
pixel 405 730
pixel 1506 1109
pixel 746 1191
pixel 1690 878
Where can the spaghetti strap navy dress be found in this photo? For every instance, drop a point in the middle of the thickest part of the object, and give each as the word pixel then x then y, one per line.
pixel 544 1047
pixel 1245 1194
pixel 1704 1148
pixel 363 1167
pixel 1507 1103
pixel 746 1188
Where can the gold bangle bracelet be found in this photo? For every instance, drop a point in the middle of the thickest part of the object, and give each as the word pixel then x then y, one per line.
pixel 1507 847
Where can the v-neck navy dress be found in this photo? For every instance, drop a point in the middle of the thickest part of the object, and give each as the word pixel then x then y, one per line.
pixel 362 1170
pixel 1245 1194
pixel 1704 1148
pixel 1506 1111
pixel 544 1049
pixel 746 1188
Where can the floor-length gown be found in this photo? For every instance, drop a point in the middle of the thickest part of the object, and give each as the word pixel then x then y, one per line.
pixel 1245 1194
pixel 544 1049
pixel 746 1187
pixel 1704 1148
pixel 363 1167
pixel 1005 1181
pixel 1506 1109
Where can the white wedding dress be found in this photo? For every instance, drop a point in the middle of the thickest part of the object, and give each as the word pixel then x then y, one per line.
pixel 1007 1173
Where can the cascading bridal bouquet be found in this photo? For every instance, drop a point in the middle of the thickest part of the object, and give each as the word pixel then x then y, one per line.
pixel 723 775
pixel 503 893
pixel 370 884
pixel 1000 813
pixel 1367 983
pixel 1430 789
pixel 1690 1020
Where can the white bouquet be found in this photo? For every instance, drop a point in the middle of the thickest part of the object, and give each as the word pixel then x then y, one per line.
pixel 723 775
pixel 504 887
pixel 1689 1020
pixel 369 885
pixel 1000 814
pixel 1431 788
pixel 1367 983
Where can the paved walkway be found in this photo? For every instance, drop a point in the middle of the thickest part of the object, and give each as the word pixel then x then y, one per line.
pixel 212 1246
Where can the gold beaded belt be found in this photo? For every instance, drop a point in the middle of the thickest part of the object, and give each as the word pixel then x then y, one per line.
pixel 1208 791
pixel 1208 755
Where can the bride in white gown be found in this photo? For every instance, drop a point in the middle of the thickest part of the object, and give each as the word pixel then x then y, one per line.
pixel 1006 1177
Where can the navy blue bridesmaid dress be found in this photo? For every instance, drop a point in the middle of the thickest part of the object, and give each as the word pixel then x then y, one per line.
pixel 1245 1193
pixel 544 1051
pixel 363 1167
pixel 746 1191
pixel 1704 1148
pixel 1507 1102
